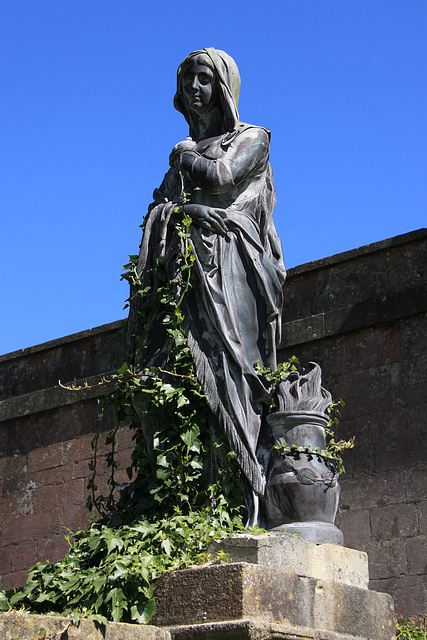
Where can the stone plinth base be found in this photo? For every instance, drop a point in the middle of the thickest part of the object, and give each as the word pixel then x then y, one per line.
pixel 297 555
pixel 255 630
pixel 317 532
pixel 275 586
pixel 243 591
pixel 23 626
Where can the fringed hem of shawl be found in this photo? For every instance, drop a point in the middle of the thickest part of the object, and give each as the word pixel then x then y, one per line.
pixel 248 464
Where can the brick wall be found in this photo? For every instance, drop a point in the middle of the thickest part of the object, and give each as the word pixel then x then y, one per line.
pixel 45 442
pixel 361 315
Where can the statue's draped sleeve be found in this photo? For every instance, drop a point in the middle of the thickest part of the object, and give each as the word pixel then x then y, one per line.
pixel 218 176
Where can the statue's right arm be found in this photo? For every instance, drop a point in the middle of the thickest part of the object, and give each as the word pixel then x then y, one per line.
pixel 245 156
pixel 169 190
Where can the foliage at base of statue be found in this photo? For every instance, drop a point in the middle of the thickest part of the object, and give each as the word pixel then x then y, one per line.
pixel 332 454
pixel 168 513
pixel 163 520
pixel 414 628
pixel 166 516
pixel 110 573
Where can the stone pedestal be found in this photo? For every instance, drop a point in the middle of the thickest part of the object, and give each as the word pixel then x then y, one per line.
pixel 297 556
pixel 273 586
pixel 18 625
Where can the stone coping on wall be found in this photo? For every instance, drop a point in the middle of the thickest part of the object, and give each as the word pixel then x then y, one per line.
pixel 352 317
pixel 323 263
pixel 54 397
pixel 345 256
pixel 374 284
pixel 54 344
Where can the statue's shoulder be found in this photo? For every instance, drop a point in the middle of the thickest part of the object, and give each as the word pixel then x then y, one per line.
pixel 248 134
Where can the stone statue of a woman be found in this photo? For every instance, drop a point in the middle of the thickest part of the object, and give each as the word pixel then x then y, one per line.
pixel 233 309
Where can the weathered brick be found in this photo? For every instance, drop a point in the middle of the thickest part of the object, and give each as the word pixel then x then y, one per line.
pixel 371 491
pixel 387 559
pixel 411 396
pixel 74 491
pixel 13 466
pixel 13 580
pixel 361 427
pixel 124 439
pixel 412 335
pixel 394 521
pixel 45 458
pixel 399 424
pixel 78 449
pixel 50 497
pixel 5 559
pixel 422 411
pixel 409 593
pixel 33 526
pixel 354 381
pixel 378 345
pixel 359 461
pixel 9 508
pixel 417 555
pixel 22 489
pixel 76 517
pixel 123 458
pixel 416 483
pixel 24 555
pixel 52 549
pixel 359 352
pixel 4 440
pixel 422 515
pixel 57 475
pixel 31 432
pixel 401 454
pixel 81 469
pixel 414 369
pixel 59 495
pixel 355 527
pixel 77 420
pixel 368 404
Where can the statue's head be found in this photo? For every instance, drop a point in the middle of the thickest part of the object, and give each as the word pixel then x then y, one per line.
pixel 205 79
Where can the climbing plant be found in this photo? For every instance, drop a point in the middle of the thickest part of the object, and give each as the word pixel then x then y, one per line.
pixel 168 513
pixel 413 628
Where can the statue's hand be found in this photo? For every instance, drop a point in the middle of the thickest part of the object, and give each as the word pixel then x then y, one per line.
pixel 185 145
pixel 206 217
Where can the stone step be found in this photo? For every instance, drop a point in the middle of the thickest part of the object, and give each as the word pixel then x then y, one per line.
pixel 244 591
pixel 298 556
pixel 17 625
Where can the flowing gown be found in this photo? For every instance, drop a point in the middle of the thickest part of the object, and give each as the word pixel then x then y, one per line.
pixel 233 310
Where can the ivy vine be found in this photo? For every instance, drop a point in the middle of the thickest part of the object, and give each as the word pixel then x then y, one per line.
pixel 332 454
pixel 168 513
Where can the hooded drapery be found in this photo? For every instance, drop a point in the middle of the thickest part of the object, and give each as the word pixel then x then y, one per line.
pixel 233 310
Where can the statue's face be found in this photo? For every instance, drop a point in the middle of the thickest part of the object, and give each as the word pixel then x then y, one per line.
pixel 198 88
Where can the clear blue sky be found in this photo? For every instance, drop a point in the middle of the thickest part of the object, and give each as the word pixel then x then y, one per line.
pixel 87 125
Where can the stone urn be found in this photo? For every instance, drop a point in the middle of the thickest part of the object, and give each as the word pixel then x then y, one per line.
pixel 302 490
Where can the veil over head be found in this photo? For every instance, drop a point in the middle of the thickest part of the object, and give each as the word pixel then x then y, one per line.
pixel 228 78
